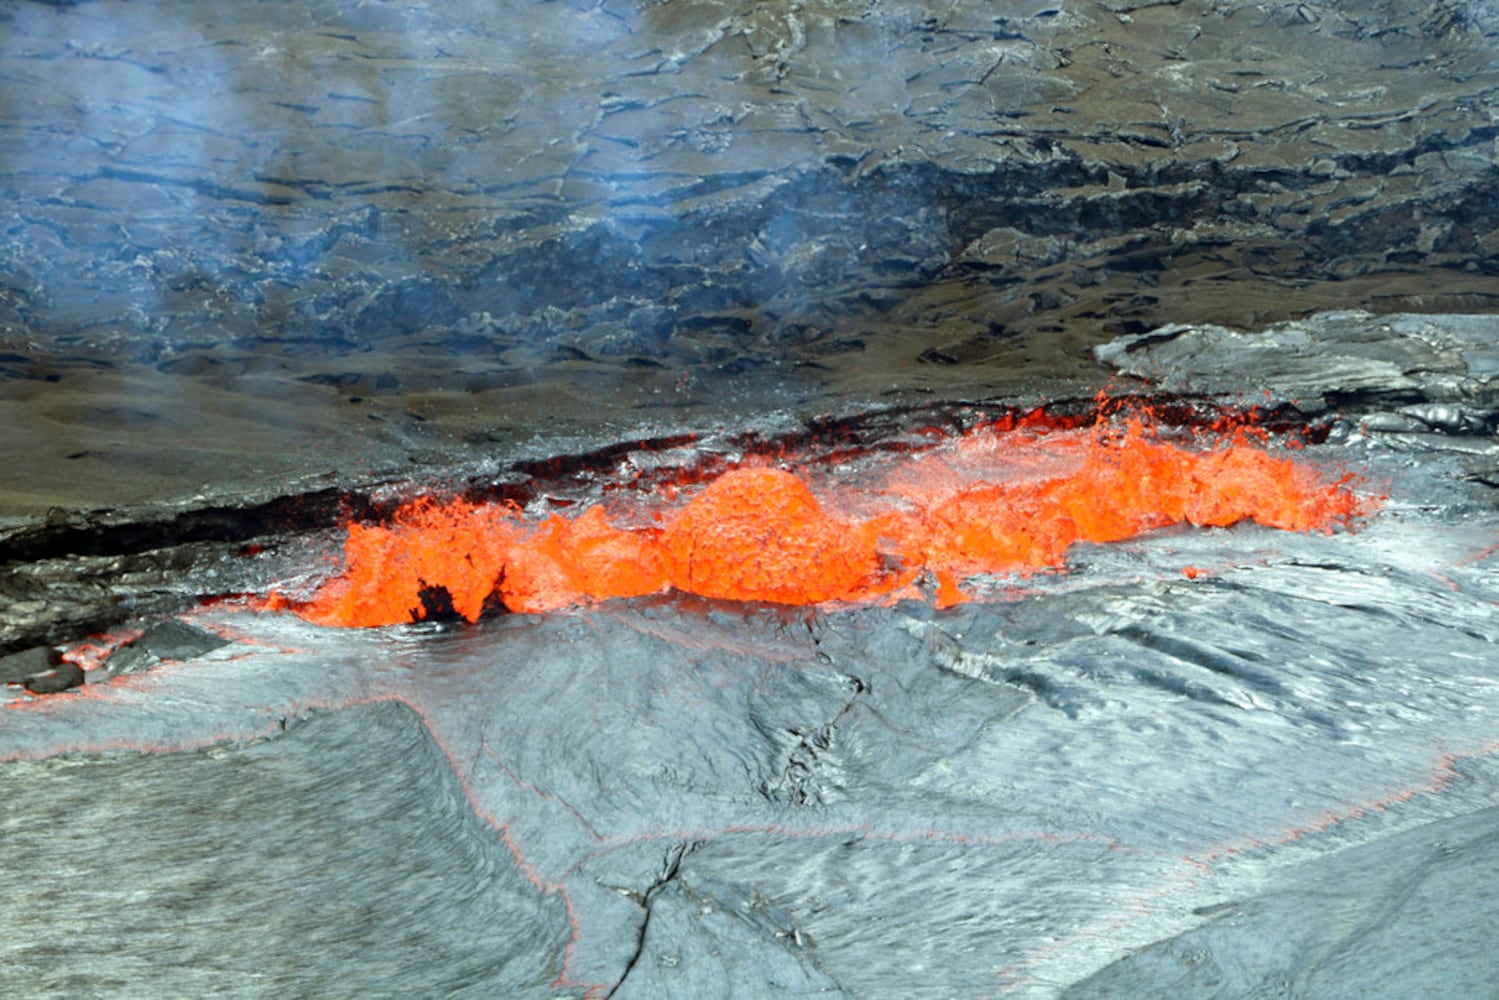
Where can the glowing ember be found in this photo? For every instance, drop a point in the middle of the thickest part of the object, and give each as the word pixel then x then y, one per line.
pixel 1005 499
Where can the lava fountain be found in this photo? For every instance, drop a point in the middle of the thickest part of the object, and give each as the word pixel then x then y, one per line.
pixel 1003 497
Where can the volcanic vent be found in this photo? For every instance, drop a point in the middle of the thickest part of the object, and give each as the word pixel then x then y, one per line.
pixel 937 511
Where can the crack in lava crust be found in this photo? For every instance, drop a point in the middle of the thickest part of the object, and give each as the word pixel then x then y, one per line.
pixel 1005 498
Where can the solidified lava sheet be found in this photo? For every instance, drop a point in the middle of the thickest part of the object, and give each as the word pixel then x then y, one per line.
pixel 1002 498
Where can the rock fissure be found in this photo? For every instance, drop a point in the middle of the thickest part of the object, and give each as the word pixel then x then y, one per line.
pixel 809 776
pixel 671 867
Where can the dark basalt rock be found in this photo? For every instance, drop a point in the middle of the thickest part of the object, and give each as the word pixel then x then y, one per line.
pixel 1412 875
pixel 61 677
pixel 1415 383
pixel 436 606
pixel 165 640
pixel 27 663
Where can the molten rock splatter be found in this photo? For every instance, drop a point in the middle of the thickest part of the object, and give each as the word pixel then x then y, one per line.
pixel 997 500
pixel 760 535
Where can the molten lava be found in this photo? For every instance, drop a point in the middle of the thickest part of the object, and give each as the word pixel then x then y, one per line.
pixel 760 535
pixel 1007 498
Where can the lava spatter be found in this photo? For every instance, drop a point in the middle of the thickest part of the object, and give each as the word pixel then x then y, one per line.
pixel 1006 498
pixel 760 535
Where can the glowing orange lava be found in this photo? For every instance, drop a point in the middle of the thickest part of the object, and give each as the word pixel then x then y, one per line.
pixel 1009 498
pixel 760 535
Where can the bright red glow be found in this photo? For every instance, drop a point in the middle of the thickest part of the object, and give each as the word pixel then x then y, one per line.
pixel 1007 498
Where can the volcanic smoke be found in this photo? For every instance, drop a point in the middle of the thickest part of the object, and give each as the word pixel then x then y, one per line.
pixel 998 499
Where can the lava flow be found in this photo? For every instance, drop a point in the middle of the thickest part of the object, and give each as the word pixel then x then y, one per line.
pixel 1003 498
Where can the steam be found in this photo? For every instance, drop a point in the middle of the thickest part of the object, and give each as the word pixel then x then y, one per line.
pixel 343 172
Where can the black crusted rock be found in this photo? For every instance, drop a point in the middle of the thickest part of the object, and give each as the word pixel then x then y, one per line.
pixel 18 667
pixel 167 640
pixel 60 678
pixel 646 191
pixel 436 605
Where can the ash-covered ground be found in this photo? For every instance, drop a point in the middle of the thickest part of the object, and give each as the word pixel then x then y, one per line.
pixel 268 268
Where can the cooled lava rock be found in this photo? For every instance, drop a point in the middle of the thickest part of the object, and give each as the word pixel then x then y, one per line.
pixel 1441 371
pixel 436 605
pixel 165 640
pixel 61 677
pixel 18 667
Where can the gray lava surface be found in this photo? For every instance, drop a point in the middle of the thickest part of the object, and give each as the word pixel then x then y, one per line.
pixel 1120 778
pixel 267 267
